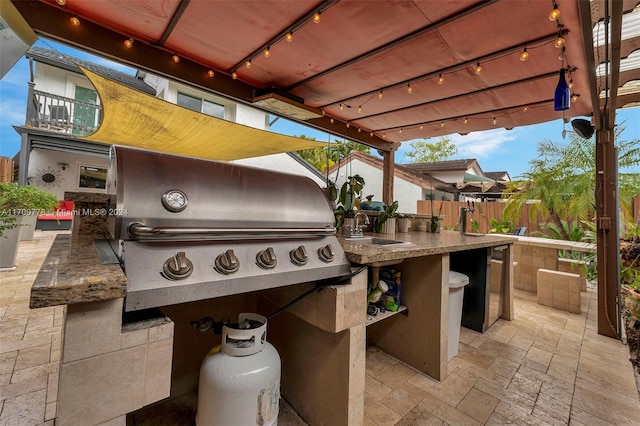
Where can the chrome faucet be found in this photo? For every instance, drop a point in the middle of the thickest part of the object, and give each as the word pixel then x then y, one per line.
pixel 463 216
pixel 356 230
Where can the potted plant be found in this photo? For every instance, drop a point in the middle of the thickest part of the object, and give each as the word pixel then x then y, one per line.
pixel 435 217
pixel 386 221
pixel 347 199
pixel 16 203
pixel 632 300
pixel 404 223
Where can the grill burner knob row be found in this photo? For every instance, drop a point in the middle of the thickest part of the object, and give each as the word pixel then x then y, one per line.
pixel 266 259
pixel 227 263
pixel 326 253
pixel 299 256
pixel 177 267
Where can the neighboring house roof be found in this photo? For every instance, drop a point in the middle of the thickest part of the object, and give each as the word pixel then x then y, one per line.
pixel 400 171
pixel 499 176
pixel 444 166
pixel 69 63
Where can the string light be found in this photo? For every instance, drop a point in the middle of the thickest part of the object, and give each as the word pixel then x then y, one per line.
pixel 574 97
pixel 267 52
pixel 359 108
pixel 559 41
pixel 128 43
pixel 384 136
pixel 555 13
pixel 289 37
pixel 74 21
pixel 371 134
pixel 571 83
pixel 421 127
pixel 442 124
pixel 478 68
pixel 61 2
pixel 211 74
pixel 440 79
pixel 524 55
pixel 348 124
pixel 525 109
pixel 466 120
pixel 494 121
pixel 332 120
pixel 316 18
pixel 380 94
pixel 234 75
pixel 409 88
pixel 341 107
pixel 248 64
pixel 359 130
pixel 175 58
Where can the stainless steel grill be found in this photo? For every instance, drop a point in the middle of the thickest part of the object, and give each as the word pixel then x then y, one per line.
pixel 187 229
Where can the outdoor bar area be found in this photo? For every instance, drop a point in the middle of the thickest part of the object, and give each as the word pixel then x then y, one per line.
pixel 190 286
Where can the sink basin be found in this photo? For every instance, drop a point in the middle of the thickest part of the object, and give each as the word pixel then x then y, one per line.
pixel 375 241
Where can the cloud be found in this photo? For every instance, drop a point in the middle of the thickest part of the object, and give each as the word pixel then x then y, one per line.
pixel 483 144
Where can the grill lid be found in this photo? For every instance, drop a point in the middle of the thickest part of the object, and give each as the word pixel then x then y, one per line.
pixel 168 197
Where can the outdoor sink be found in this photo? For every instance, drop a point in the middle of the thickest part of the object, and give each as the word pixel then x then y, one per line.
pixel 375 241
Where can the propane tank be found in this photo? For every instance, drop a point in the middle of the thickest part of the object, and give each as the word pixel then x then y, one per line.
pixel 240 384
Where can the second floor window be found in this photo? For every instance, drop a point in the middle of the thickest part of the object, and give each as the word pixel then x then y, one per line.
pixel 201 105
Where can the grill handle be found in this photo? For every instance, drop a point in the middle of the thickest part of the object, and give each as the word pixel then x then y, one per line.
pixel 138 229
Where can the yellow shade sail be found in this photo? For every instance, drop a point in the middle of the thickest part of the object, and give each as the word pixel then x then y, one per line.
pixel 135 119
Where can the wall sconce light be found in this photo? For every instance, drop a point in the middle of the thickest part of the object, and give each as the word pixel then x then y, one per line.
pixel 63 166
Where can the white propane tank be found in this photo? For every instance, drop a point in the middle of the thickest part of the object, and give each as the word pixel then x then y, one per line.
pixel 240 385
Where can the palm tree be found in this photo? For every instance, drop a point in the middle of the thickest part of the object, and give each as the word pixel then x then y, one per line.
pixel 560 184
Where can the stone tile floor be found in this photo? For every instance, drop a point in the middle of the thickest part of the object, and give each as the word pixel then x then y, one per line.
pixel 546 367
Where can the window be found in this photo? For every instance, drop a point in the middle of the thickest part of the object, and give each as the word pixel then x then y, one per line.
pixel 201 105
pixel 92 177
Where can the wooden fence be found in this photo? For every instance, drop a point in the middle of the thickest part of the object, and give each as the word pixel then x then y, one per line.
pixel 483 213
pixel 6 169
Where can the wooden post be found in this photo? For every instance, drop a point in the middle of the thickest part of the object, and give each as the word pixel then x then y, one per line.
pixel 607 236
pixel 388 172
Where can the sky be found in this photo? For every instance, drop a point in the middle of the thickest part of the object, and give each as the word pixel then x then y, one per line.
pixel 495 150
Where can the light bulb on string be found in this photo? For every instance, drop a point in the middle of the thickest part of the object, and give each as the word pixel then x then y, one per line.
pixel 380 94
pixel 400 131
pixel 74 21
pixel 61 2
pixel 289 36
pixel 267 52
pixel 478 68
pixel 524 55
pixel 571 83
pixel 359 108
pixel 332 120
pixel 248 64
pixel 442 124
pixel 466 120
pixel 421 127
pixel 525 109
pixel 316 17
pixel 341 107
pixel 348 124
pixel 128 43
pixel 371 134
pixel 559 43
pixel 234 75
pixel 494 121
pixel 440 79
pixel 555 13
pixel 211 73
pixel 575 97
pixel 409 89
pixel 175 59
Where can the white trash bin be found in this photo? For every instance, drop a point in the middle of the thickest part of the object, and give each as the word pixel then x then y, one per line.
pixel 457 281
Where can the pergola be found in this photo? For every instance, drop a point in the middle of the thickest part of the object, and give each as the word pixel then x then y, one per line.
pixel 384 72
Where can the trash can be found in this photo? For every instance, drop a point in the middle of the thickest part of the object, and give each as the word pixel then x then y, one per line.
pixel 457 281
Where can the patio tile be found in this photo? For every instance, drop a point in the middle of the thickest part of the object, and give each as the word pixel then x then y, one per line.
pixel 478 405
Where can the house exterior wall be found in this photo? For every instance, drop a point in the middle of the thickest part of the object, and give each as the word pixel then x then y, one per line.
pixel 44 161
pixel 59 81
pixel 406 193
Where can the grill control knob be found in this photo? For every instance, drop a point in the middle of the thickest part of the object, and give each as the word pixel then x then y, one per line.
pixel 266 258
pixel 177 267
pixel 299 256
pixel 227 262
pixel 326 253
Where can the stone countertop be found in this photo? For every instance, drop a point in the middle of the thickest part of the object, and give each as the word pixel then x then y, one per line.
pixel 72 273
pixel 421 244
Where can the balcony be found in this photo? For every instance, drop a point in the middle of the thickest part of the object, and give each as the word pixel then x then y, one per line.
pixel 62 114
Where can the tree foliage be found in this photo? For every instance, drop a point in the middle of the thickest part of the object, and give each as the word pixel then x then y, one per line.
pixel 428 152
pixel 325 158
pixel 561 182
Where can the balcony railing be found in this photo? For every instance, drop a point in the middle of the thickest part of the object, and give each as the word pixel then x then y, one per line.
pixel 61 114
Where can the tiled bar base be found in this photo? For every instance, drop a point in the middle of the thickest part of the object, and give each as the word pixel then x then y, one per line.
pixel 110 369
